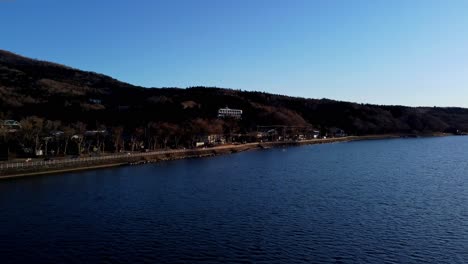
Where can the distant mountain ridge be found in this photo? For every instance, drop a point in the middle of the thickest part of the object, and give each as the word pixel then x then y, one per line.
pixel 52 91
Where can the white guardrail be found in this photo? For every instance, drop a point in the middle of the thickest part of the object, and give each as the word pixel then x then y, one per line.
pixel 30 164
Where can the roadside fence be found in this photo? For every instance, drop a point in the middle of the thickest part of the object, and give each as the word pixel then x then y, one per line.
pixel 79 160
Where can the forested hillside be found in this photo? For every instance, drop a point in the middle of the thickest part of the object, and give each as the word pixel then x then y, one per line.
pixel 62 97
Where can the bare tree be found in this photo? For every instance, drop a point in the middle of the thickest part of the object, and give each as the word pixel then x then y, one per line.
pixel 101 138
pixel 31 128
pixel 154 131
pixel 136 137
pixel 117 133
pixel 79 138
pixel 178 133
pixel 68 132
pixel 50 126
pixel 166 131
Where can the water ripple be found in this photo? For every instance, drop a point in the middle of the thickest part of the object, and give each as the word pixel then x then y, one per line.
pixel 388 201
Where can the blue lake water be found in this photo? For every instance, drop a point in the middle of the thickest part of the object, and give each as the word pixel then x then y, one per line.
pixel 383 201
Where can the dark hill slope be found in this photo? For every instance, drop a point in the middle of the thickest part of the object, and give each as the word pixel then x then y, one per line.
pixel 31 87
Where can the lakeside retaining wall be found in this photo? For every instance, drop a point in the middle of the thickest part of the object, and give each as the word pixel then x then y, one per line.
pixel 8 170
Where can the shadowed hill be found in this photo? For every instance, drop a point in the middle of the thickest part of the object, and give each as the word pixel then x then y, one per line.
pixel 52 91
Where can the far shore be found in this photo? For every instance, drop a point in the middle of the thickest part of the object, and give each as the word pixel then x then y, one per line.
pixel 140 158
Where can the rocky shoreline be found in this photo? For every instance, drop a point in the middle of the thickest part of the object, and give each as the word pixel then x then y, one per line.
pixel 175 155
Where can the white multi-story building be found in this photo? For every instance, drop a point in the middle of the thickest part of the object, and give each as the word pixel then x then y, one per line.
pixel 227 112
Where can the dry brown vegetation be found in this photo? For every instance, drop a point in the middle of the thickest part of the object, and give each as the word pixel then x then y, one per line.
pixel 159 117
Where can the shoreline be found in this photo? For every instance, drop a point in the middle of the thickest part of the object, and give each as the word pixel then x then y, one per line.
pixel 187 154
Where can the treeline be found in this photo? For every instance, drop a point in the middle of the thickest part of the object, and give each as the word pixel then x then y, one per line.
pixel 37 136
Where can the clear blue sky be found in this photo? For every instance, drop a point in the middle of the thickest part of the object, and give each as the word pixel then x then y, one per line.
pixel 410 52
